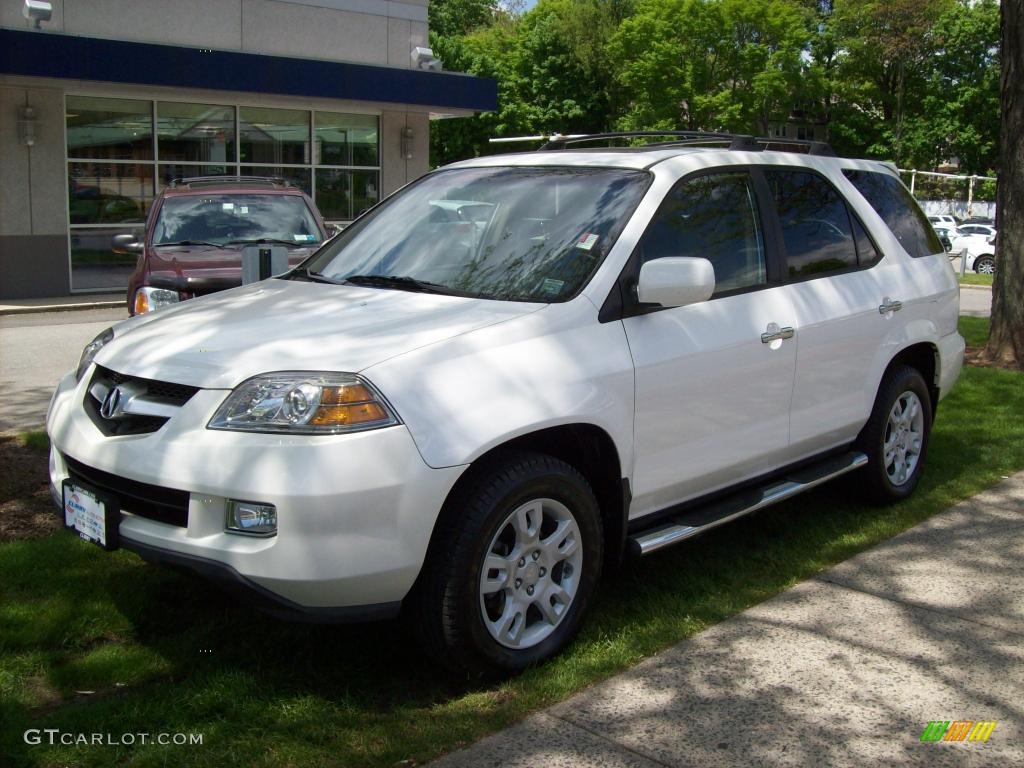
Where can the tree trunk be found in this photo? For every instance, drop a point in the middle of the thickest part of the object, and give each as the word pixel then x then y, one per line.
pixel 1006 338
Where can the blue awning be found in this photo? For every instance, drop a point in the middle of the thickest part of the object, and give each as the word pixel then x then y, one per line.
pixel 49 54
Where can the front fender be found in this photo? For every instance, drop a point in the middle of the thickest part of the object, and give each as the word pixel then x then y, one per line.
pixel 464 396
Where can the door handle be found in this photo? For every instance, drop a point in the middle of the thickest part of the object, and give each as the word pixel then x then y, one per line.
pixel 775 333
pixel 889 305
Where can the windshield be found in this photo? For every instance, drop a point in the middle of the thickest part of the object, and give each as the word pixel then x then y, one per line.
pixel 220 219
pixel 516 234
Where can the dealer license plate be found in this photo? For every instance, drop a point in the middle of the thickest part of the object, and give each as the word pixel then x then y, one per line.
pixel 92 515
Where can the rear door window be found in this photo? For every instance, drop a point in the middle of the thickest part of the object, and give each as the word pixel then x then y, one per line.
pixel 815 224
pixel 898 209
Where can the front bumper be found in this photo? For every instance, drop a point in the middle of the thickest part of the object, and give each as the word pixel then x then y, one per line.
pixel 355 512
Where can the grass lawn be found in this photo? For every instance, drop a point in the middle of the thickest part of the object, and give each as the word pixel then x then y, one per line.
pixel 972 278
pixel 97 642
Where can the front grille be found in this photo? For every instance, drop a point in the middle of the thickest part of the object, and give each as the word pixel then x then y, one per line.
pixel 164 505
pixel 164 392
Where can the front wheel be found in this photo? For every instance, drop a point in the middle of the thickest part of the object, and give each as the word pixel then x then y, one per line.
pixel 512 566
pixel 895 439
pixel 985 265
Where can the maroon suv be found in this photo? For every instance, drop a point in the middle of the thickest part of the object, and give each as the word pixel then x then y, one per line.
pixel 198 227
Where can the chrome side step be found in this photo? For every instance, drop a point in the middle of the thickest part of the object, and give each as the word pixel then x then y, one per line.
pixel 694 522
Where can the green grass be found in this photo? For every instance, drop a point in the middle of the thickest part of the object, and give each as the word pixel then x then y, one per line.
pixel 972 278
pixel 163 652
pixel 36 440
pixel 974 330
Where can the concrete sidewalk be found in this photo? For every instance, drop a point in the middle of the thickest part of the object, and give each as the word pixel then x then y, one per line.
pixel 62 303
pixel 845 669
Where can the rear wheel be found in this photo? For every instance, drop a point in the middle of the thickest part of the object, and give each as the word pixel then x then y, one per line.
pixel 512 566
pixel 895 439
pixel 985 265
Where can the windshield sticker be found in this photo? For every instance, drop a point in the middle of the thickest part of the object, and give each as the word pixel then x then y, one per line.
pixel 243 208
pixel 227 206
pixel 586 242
pixel 303 238
pixel 551 286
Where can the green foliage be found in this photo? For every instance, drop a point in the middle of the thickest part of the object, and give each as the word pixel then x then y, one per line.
pixel 914 81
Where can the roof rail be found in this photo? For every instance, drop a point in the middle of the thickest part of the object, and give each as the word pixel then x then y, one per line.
pixel 733 141
pixel 212 180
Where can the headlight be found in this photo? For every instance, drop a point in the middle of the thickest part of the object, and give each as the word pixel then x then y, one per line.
pixel 90 351
pixel 304 402
pixel 147 299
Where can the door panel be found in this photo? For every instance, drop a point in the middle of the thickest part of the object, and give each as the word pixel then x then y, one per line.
pixel 712 400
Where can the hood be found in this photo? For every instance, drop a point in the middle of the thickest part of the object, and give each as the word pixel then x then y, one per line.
pixel 218 341
pixel 201 268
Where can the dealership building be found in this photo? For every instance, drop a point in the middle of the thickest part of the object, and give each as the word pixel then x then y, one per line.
pixel 102 105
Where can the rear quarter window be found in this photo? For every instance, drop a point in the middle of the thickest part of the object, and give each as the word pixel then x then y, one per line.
pixel 898 209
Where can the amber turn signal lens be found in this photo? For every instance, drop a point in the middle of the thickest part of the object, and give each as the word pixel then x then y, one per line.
pixel 345 415
pixel 141 303
pixel 351 393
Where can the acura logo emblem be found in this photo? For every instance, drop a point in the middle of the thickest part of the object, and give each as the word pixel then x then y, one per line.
pixel 111 405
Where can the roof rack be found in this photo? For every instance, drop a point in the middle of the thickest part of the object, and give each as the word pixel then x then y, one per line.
pixel 209 181
pixel 734 141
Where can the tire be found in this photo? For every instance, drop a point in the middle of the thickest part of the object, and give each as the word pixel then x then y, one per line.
pixel 985 265
pixel 895 438
pixel 483 621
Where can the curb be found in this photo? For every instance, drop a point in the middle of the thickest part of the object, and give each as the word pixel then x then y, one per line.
pixel 10 310
pixel 976 288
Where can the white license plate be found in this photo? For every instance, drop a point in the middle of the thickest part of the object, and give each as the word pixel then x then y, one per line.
pixel 86 514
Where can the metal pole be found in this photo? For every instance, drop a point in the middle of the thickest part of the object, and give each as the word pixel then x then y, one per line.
pixel 913 179
pixel 963 261
pixel 970 196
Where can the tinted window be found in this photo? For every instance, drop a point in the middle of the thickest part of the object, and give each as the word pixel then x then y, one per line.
pixel 815 223
pixel 712 217
pixel 897 207
pixel 867 254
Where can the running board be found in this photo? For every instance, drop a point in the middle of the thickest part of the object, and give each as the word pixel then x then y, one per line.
pixel 694 522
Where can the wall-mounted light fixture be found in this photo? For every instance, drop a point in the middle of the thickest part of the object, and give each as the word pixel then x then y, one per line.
pixel 27 126
pixel 424 58
pixel 406 145
pixel 37 11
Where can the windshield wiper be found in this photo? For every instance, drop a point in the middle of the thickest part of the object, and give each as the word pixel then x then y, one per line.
pixel 402 283
pixel 313 277
pixel 270 240
pixel 190 242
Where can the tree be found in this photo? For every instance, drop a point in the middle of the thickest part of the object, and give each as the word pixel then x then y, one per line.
pixel 711 64
pixel 1006 337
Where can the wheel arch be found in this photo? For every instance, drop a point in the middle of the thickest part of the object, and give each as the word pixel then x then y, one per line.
pixel 924 357
pixel 592 452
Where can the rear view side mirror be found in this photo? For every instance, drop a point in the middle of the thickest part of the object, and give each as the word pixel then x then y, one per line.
pixel 676 281
pixel 125 244
pixel 333 230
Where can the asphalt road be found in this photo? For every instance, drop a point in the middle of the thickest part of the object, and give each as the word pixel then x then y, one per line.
pixel 35 351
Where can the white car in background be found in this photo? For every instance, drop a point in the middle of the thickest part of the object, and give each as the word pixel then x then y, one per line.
pixel 977 250
pixel 511 372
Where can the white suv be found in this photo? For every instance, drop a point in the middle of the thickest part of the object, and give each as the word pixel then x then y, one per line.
pixel 500 379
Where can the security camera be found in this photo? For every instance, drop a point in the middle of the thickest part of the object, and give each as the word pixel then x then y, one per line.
pixel 37 10
pixel 424 59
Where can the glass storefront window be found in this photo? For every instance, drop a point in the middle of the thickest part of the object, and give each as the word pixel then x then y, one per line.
pixel 109 129
pixel 346 139
pixel 100 193
pixel 299 177
pixel 342 195
pixel 168 172
pixel 277 136
pixel 198 133
pixel 93 263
